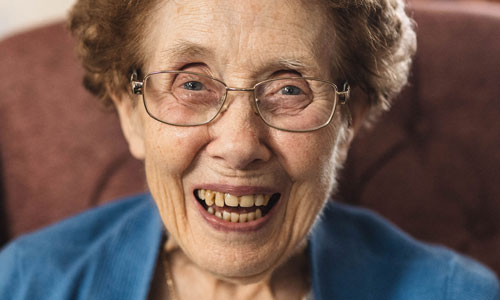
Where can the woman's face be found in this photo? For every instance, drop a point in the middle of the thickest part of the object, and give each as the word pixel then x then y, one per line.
pixel 240 43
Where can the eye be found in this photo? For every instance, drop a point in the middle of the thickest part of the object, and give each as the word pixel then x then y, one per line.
pixel 193 86
pixel 291 90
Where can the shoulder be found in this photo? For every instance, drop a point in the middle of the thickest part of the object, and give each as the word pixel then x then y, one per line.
pixel 357 248
pixel 51 262
pixel 92 227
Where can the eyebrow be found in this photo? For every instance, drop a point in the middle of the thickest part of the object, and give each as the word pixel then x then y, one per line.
pixel 292 63
pixel 182 49
pixel 186 50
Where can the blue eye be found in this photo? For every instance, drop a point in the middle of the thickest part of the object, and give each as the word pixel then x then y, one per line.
pixel 291 90
pixel 193 86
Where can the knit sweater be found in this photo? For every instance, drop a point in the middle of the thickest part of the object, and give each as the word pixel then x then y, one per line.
pixel 110 253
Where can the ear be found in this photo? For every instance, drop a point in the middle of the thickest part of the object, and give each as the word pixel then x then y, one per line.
pixel 359 108
pixel 356 110
pixel 131 123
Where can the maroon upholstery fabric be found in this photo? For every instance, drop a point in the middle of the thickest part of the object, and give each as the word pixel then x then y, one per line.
pixel 431 165
pixel 60 151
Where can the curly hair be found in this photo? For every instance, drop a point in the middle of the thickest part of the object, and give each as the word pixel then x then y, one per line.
pixel 375 43
pixel 108 34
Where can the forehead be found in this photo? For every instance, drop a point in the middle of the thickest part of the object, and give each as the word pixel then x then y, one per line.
pixel 240 34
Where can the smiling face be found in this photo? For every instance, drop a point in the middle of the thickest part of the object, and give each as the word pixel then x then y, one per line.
pixel 236 158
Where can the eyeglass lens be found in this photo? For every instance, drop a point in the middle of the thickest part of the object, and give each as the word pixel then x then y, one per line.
pixel 181 98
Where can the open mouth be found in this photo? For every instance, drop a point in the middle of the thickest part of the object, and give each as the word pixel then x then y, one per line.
pixel 236 209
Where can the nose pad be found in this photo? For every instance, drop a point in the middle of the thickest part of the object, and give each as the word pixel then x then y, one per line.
pixel 224 107
pixel 254 104
pixel 254 101
pixel 237 140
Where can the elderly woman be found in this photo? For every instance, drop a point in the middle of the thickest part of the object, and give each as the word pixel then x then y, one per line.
pixel 242 112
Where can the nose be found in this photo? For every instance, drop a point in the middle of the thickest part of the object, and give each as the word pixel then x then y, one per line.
pixel 238 135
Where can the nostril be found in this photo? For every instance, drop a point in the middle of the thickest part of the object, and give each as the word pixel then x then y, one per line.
pixel 240 151
pixel 238 138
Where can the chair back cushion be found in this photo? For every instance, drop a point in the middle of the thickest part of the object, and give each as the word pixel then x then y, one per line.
pixel 431 165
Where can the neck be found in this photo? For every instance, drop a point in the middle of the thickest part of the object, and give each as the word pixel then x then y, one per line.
pixel 289 281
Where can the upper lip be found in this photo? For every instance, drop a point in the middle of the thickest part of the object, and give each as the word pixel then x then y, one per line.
pixel 259 170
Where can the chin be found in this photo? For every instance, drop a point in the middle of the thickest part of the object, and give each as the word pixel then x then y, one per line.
pixel 249 252
pixel 242 229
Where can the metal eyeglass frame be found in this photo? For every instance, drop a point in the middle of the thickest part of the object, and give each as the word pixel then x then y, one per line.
pixel 138 86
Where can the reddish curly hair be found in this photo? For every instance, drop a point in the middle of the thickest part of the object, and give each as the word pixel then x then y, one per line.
pixel 375 43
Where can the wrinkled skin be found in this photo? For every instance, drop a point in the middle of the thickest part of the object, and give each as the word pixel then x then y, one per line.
pixel 242 43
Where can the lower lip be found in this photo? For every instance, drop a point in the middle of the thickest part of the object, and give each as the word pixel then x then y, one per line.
pixel 221 225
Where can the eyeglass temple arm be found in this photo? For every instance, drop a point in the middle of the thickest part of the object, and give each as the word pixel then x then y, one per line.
pixel 345 93
pixel 137 88
pixel 343 98
pixel 135 84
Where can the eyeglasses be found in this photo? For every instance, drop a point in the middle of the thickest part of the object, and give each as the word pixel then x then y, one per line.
pixel 296 104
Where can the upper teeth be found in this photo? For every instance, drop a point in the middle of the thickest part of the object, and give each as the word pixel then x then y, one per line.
pixel 221 199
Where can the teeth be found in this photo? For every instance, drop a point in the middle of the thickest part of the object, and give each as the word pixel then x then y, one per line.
pixel 228 200
pixel 235 217
pixel 231 200
pixel 219 199
pixel 259 200
pixel 201 194
pixel 243 218
pixel 247 201
pixel 266 199
pixel 226 216
pixel 209 197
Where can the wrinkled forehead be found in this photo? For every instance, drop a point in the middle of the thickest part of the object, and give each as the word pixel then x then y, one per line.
pixel 246 35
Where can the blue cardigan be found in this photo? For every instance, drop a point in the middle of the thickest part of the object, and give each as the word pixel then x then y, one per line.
pixel 110 253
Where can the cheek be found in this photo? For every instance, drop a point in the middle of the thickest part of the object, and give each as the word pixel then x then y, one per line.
pixel 306 156
pixel 312 162
pixel 172 149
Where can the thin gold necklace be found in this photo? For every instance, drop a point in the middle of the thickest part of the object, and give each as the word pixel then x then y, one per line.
pixel 168 276
pixel 172 294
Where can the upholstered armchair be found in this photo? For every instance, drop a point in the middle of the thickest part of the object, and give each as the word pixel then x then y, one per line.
pixel 431 165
